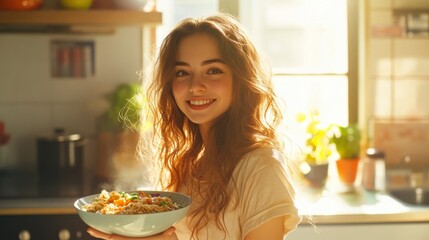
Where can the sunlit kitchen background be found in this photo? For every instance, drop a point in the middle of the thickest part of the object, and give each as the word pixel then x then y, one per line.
pixel 355 61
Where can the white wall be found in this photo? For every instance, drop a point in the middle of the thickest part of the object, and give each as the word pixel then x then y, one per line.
pixel 32 103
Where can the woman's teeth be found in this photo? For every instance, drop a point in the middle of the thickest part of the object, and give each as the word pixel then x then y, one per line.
pixel 201 102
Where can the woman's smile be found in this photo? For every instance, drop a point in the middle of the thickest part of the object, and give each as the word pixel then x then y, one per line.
pixel 200 104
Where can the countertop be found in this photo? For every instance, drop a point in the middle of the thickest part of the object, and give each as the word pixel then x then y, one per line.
pixel 322 206
pixel 25 193
pixel 359 206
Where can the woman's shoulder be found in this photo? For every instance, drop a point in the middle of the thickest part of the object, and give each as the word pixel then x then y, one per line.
pixel 263 156
pixel 259 159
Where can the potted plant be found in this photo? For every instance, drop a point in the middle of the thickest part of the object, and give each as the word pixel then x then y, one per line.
pixel 317 150
pixel 347 143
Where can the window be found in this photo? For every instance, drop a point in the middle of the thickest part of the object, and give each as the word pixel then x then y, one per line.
pixel 306 43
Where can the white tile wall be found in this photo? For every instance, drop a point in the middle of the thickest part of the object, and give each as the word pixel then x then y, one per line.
pixel 399 67
pixel 382 100
pixel 380 4
pixel 411 99
pixel 381 57
pixel 399 139
pixel 32 103
pixel 399 77
pixel 411 57
pixel 381 17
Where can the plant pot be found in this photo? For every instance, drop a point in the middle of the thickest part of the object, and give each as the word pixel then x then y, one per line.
pixel 317 175
pixel 347 170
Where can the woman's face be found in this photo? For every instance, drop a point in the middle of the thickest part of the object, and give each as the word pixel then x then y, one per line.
pixel 203 85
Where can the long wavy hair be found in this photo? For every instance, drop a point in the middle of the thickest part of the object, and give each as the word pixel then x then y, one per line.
pixel 204 169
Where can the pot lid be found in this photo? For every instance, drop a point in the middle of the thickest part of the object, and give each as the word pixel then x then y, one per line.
pixel 374 153
pixel 59 135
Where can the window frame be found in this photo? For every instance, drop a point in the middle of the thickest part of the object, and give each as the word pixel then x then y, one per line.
pixel 353 29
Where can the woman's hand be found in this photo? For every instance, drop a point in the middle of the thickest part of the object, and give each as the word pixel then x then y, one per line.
pixel 168 234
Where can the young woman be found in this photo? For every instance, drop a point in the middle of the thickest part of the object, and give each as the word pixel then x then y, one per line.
pixel 216 115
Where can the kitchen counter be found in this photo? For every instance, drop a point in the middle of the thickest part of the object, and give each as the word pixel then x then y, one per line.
pixel 37 206
pixel 25 193
pixel 357 207
pixel 322 207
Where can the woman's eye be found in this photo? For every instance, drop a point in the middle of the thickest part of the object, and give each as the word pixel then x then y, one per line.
pixel 214 71
pixel 181 73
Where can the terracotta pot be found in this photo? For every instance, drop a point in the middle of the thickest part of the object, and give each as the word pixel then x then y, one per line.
pixel 347 170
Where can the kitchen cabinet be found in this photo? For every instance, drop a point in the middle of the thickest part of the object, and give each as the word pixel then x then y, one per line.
pixel 43 210
pixel 44 226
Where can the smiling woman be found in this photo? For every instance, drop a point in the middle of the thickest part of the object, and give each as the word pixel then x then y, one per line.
pixel 215 116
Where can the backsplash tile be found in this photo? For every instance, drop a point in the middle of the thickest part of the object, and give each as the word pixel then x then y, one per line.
pixel 398 67
pixel 380 3
pixel 411 99
pixel 411 57
pixel 400 139
pixel 32 103
pixel 383 99
pixel 381 58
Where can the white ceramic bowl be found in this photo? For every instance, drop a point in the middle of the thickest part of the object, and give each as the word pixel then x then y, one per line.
pixel 135 225
pixel 131 4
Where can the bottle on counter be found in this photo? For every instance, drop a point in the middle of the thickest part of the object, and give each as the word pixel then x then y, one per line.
pixel 374 170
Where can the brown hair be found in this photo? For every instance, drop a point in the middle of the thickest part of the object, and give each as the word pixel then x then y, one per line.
pixel 249 123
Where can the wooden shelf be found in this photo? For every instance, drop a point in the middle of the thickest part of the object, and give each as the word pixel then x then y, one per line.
pixel 90 17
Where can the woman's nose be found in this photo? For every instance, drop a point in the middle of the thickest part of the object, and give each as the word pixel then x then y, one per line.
pixel 197 85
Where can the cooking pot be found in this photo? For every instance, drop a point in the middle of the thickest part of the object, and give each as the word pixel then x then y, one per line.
pixel 60 156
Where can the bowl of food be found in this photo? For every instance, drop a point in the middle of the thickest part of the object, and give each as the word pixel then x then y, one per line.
pixel 133 214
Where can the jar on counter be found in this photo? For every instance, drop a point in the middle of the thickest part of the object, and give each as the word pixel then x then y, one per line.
pixel 374 170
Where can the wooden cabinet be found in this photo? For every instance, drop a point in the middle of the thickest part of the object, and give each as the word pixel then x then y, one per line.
pixel 44 226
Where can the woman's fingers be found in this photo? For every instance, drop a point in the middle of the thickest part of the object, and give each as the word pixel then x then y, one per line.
pixel 98 234
pixel 168 234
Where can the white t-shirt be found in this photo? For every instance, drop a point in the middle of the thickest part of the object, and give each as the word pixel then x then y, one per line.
pixel 263 192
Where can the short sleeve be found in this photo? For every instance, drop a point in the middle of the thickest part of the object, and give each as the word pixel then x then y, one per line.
pixel 264 192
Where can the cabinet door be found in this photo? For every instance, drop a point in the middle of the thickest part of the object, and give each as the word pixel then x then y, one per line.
pixel 414 231
pixel 43 226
